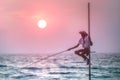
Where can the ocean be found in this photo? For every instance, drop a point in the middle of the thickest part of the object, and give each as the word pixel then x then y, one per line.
pixel 67 66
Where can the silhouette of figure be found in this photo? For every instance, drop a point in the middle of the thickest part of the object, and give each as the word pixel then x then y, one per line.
pixel 86 42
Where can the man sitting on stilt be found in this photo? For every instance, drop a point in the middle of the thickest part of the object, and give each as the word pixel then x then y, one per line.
pixel 86 42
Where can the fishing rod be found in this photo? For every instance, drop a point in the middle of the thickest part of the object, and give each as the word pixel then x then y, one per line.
pixel 45 58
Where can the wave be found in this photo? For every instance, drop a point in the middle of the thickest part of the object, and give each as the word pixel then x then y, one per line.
pixel 71 67
pixel 1 65
pixel 62 73
pixel 104 68
pixel 6 75
pixel 31 68
pixel 24 76
pixel 101 76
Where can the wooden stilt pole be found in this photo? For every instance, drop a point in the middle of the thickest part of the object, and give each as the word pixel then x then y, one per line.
pixel 89 35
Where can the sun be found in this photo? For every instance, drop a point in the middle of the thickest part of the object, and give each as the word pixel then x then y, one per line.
pixel 42 23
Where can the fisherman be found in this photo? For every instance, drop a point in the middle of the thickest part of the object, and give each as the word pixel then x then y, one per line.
pixel 86 42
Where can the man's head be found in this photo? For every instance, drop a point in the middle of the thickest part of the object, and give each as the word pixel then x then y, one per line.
pixel 83 33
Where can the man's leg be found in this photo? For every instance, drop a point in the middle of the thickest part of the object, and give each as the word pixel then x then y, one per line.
pixel 78 52
pixel 82 54
pixel 87 51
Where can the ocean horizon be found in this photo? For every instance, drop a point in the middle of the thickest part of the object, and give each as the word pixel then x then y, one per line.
pixel 67 66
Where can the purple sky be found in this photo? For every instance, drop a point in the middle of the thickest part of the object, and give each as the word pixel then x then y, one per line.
pixel 19 32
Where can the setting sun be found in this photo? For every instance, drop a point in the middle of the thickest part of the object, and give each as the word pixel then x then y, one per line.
pixel 42 24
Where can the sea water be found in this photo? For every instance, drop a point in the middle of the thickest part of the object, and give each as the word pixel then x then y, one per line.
pixel 67 66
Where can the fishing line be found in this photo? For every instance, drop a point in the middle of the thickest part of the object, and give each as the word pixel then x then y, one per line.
pixel 45 58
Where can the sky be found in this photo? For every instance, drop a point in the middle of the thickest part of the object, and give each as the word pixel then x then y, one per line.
pixel 19 32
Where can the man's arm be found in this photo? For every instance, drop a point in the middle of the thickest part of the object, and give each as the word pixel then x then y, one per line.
pixel 75 45
pixel 91 43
